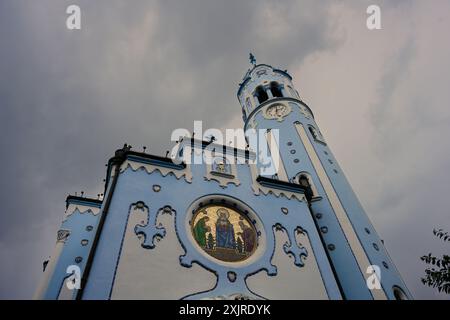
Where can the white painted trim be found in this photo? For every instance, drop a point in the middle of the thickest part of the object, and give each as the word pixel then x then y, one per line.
pixel 275 151
pixel 81 208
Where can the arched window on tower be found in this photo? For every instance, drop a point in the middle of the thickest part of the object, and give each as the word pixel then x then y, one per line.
pixel 304 179
pixel 399 294
pixel 316 134
pixel 275 88
pixel 261 94
pixel 313 132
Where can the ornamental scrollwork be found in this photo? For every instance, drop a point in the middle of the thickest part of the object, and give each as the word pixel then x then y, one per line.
pixel 62 235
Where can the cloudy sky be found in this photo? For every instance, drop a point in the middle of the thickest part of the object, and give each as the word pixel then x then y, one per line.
pixel 138 69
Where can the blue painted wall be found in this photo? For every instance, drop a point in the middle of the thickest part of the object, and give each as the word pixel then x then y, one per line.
pixel 136 186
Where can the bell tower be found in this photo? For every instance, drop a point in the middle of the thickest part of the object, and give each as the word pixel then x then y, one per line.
pixel 361 264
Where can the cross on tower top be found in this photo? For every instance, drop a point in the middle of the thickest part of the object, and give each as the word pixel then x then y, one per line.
pixel 252 59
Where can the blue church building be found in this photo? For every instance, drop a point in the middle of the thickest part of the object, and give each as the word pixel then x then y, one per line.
pixel 229 228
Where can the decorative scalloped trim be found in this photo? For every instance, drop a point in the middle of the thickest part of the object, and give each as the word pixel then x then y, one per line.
pixel 186 173
pixel 81 209
pixel 257 189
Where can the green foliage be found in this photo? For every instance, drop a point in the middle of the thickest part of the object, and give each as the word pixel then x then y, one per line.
pixel 437 275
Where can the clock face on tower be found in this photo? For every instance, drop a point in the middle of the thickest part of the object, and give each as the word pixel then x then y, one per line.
pixel 277 112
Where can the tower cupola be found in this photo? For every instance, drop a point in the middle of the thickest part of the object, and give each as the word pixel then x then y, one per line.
pixel 263 83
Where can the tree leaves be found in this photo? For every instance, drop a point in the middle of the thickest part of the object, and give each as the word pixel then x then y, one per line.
pixel 438 278
pixel 441 234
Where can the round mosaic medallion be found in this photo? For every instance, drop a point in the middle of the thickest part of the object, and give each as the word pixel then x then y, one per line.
pixel 224 233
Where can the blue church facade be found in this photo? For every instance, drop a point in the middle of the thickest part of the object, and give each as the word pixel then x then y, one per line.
pixel 177 228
